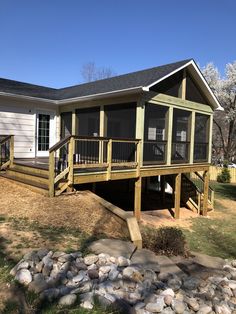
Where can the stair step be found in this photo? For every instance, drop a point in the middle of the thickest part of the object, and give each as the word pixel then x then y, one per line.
pixel 30 169
pixel 32 185
pixel 25 175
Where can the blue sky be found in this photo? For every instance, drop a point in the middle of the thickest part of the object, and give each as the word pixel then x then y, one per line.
pixel 46 42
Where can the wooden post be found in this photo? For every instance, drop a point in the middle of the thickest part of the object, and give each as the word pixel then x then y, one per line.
pixel 199 203
pixel 101 133
pixel 11 150
pixel 163 185
pixel 205 193
pixel 210 126
pixel 183 94
pixel 192 134
pixel 138 156
pixel 51 173
pixel 109 158
pixel 74 123
pixel 137 198
pixel 71 161
pixel 139 132
pixel 177 195
pixel 169 136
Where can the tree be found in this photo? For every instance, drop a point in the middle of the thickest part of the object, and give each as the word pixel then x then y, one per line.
pixel 224 132
pixel 90 72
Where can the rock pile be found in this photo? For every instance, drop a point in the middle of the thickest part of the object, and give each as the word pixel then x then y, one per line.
pixel 66 277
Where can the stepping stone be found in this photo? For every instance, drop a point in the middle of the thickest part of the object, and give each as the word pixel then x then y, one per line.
pixel 208 261
pixel 146 259
pixel 113 247
pixel 167 266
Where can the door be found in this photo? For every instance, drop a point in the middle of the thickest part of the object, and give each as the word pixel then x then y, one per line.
pixel 45 133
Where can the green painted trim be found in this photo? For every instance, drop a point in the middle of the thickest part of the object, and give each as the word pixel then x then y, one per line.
pixel 162 99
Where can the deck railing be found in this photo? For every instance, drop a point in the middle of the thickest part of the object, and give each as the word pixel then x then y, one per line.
pixel 74 153
pixel 6 150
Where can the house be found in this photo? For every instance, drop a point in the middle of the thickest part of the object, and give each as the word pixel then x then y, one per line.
pixel 155 122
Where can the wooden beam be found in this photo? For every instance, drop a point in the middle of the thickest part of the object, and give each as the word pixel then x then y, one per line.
pixel 166 100
pixel 169 135
pixel 137 198
pixel 51 174
pixel 109 158
pixel 101 133
pixel 192 136
pixel 74 123
pixel 11 150
pixel 205 192
pixel 184 85
pixel 139 132
pixel 163 185
pixel 177 193
pixel 71 161
pixel 209 140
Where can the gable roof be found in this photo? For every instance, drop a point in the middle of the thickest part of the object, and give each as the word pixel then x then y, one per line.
pixel 140 80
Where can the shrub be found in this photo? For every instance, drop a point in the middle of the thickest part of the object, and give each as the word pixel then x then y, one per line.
pixel 165 241
pixel 224 176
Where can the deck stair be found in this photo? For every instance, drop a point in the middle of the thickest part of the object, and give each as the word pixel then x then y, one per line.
pixel 192 191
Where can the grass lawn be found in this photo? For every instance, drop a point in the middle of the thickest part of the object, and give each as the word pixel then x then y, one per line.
pixel 216 235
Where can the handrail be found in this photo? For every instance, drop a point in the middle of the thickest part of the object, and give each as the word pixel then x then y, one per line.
pixel 192 183
pixel 5 139
pixel 78 137
pixel 201 178
pixel 60 144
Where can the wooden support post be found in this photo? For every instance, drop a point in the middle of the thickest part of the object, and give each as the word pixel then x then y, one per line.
pixel 169 136
pixel 205 192
pixel 138 156
pixel 109 158
pixel 183 95
pixel 71 161
pixel 137 198
pixel 199 203
pixel 163 185
pixel 209 140
pixel 101 133
pixel 192 134
pixel 11 150
pixel 74 123
pixel 177 195
pixel 139 132
pixel 51 173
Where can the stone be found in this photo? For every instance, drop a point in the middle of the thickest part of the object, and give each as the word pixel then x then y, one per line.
pixel 146 259
pixel 86 305
pixel 191 283
pixel 149 274
pixel 233 263
pixel 93 266
pixel 80 266
pixel 156 307
pixel 113 274
pixel 167 267
pixel 192 303
pixel 208 261
pixel 23 276
pixel 31 256
pixel 57 254
pixel 65 258
pixel 168 310
pixel 168 292
pixel 47 270
pixel 67 300
pixel 93 274
pixel 83 288
pixel 168 299
pixel 50 294
pixel 79 277
pixel 174 283
pixel 204 309
pixel 42 252
pixel 122 261
pixel 132 273
pixel 222 309
pixel 38 286
pixel 112 247
pixel 22 265
pixel 90 259
pixel 39 267
pixel 104 269
pixel 232 284
pixel 178 306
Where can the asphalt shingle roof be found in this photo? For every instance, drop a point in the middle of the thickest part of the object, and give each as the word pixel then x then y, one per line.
pixel 131 80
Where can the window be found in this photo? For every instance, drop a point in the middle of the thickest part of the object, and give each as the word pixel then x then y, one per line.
pixel 201 137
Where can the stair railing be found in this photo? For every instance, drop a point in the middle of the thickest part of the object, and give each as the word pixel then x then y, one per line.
pixel 89 153
pixel 6 151
pixel 200 181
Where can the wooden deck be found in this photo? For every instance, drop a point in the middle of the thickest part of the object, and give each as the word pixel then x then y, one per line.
pixel 78 160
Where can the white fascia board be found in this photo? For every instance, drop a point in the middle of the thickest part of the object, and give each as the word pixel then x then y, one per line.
pixel 215 103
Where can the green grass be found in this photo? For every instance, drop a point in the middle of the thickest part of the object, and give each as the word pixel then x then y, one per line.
pixel 216 237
